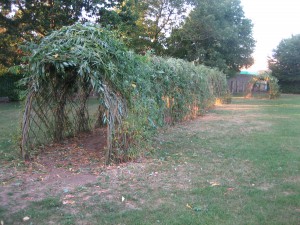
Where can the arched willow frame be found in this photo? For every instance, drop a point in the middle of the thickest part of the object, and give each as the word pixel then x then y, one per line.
pixel 137 93
pixel 63 69
pixel 272 83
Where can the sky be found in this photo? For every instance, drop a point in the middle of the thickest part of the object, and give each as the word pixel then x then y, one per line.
pixel 273 21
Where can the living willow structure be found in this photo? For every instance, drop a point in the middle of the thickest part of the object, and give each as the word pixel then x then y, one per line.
pixel 136 93
pixel 271 84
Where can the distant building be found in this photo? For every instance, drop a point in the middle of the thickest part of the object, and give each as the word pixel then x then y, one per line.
pixel 238 83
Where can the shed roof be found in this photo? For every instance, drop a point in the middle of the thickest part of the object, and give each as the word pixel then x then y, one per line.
pixel 250 73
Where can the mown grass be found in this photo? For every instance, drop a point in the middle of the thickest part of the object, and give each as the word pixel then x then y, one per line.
pixel 237 165
pixel 9 121
pixel 42 212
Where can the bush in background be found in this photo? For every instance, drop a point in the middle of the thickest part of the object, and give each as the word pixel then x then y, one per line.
pixel 9 86
pixel 290 87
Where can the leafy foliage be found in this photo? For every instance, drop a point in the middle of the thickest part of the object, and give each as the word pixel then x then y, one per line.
pixel 155 20
pixel 9 86
pixel 285 63
pixel 63 69
pixel 215 34
pixel 137 93
pixel 90 51
pixel 289 86
pixel 32 19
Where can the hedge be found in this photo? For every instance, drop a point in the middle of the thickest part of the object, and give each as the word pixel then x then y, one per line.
pixel 137 93
pixel 9 86
pixel 290 87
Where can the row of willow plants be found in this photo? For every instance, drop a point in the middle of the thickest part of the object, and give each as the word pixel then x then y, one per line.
pixel 137 94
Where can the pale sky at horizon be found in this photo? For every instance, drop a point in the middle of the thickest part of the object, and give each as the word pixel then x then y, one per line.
pixel 273 21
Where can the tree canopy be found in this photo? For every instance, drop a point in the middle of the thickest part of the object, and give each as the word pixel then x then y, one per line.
pixel 285 61
pixel 216 34
pixel 26 20
pixel 29 20
pixel 156 18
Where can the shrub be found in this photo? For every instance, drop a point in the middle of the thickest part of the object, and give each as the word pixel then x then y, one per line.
pixel 9 86
pixel 138 93
pixel 290 87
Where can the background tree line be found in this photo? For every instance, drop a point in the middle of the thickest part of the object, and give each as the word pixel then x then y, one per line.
pixel 285 64
pixel 215 33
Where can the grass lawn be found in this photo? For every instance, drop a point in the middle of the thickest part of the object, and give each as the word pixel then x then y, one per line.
pixel 9 121
pixel 239 164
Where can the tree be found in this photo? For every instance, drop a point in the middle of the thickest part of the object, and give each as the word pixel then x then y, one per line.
pixel 119 15
pixel 156 18
pixel 142 25
pixel 215 34
pixel 9 53
pixel 285 61
pixel 29 20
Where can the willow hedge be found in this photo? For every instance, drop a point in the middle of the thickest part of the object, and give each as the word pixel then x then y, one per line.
pixel 137 94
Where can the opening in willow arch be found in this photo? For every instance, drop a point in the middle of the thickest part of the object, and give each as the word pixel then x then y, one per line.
pixel 265 83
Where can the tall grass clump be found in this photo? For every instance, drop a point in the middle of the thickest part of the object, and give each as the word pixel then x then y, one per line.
pixel 137 94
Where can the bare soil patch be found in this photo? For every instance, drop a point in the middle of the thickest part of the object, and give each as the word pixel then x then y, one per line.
pixel 75 153
pixel 58 168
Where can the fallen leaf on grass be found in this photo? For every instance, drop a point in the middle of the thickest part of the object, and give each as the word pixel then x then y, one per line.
pixel 195 208
pixel 26 218
pixel 69 196
pixel 68 202
pixel 214 183
pixel 188 206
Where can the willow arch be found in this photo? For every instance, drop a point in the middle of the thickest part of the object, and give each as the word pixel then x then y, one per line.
pixel 270 82
pixel 133 90
pixel 63 69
